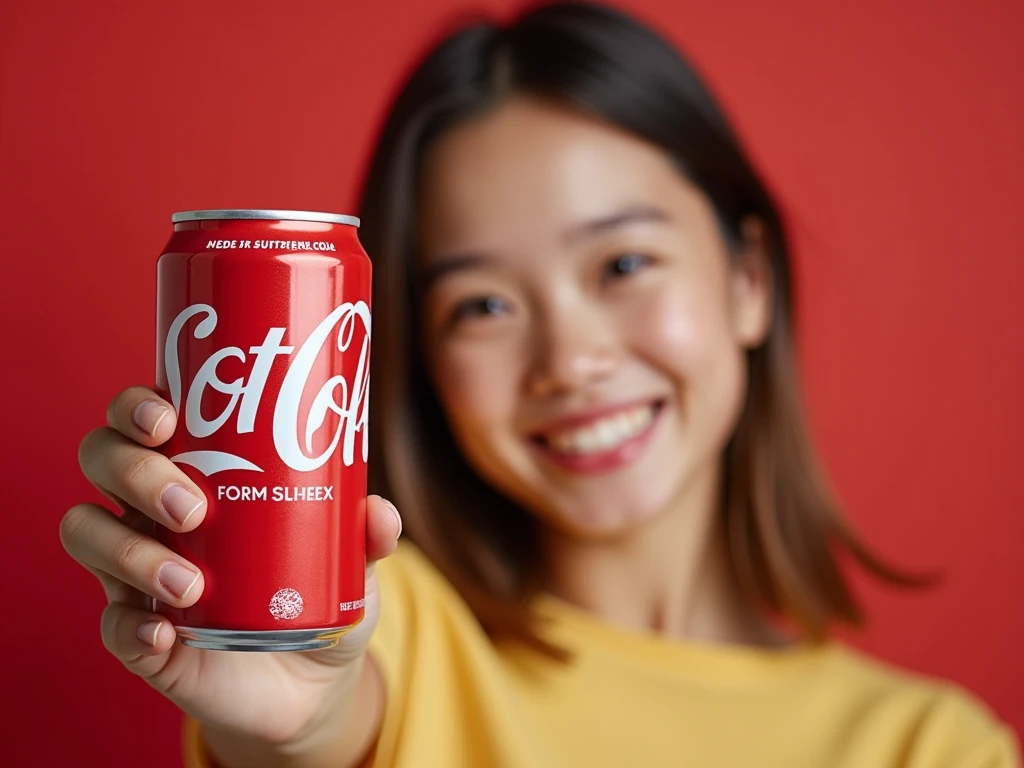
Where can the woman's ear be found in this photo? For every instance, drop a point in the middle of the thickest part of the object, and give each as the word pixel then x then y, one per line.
pixel 751 285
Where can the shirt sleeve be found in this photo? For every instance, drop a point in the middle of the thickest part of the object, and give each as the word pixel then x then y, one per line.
pixel 961 732
pixel 192 747
pixel 1001 750
pixel 399 579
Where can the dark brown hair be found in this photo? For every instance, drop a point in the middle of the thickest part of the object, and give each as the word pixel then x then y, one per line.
pixel 783 527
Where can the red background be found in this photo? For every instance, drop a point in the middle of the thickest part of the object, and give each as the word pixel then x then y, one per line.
pixel 891 131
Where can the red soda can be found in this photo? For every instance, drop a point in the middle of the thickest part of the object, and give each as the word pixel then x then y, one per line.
pixel 263 344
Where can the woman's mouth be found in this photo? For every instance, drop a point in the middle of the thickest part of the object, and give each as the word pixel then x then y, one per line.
pixel 601 442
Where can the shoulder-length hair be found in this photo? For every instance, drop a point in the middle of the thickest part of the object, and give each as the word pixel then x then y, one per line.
pixel 783 528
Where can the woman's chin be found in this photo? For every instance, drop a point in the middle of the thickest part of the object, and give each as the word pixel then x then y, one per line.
pixel 597 523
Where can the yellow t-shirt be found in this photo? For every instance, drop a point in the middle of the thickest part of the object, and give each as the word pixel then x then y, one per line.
pixel 457 700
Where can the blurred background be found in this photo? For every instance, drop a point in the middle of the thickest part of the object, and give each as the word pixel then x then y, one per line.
pixel 891 132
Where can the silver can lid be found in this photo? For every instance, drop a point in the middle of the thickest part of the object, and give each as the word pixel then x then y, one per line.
pixel 265 215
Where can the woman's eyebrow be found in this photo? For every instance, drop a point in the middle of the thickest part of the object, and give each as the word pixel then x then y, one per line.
pixel 632 215
pixel 448 265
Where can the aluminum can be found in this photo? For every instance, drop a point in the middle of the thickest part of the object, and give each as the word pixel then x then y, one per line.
pixel 263 348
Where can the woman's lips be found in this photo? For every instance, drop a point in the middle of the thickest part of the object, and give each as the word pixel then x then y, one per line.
pixel 600 440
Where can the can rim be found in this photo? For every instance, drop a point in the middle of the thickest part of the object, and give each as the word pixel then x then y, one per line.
pixel 264 214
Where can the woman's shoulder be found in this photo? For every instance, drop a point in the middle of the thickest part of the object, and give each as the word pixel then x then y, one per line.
pixel 947 724
pixel 422 616
pixel 414 593
pixel 408 570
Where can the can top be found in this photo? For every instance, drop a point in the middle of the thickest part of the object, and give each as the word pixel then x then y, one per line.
pixel 264 215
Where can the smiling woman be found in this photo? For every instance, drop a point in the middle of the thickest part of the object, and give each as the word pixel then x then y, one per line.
pixel 607 338
pixel 586 393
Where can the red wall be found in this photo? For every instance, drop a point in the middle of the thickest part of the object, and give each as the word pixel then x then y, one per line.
pixel 891 131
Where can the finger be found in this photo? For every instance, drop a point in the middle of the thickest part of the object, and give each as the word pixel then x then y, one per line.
pixel 97 539
pixel 116 591
pixel 383 527
pixel 142 478
pixel 139 638
pixel 143 524
pixel 143 416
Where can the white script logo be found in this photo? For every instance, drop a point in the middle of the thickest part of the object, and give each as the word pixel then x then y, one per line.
pixel 351 406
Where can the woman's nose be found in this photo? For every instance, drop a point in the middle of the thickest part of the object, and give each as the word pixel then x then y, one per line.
pixel 575 347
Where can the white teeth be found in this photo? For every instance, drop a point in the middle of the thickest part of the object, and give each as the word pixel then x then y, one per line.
pixel 605 434
pixel 638 419
pixel 624 422
pixel 588 440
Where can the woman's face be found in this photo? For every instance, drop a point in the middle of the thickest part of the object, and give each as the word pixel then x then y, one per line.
pixel 585 324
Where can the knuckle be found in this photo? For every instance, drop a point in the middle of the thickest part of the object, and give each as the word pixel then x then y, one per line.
pixel 141 468
pixel 112 409
pixel 108 627
pixel 73 526
pixel 111 623
pixel 90 446
pixel 136 393
pixel 129 551
pixel 121 406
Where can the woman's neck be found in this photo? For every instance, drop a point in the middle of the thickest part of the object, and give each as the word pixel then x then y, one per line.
pixel 671 575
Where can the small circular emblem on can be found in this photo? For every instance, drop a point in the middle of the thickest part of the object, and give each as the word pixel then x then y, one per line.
pixel 286 604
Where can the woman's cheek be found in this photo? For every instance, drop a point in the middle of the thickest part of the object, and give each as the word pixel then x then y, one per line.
pixel 475 382
pixel 668 328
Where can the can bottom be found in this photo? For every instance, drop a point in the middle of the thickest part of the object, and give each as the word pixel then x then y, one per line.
pixel 261 640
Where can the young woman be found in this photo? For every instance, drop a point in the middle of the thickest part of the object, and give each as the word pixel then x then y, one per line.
pixel 587 410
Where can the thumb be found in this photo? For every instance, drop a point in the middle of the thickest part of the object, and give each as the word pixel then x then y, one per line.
pixel 383 527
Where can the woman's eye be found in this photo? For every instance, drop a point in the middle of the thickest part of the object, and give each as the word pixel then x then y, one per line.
pixel 481 307
pixel 626 264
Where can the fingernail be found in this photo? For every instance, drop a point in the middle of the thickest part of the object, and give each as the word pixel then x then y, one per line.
pixel 148 415
pixel 398 517
pixel 177 579
pixel 148 631
pixel 180 503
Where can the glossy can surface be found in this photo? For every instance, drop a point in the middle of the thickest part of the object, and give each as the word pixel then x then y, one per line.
pixel 263 343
